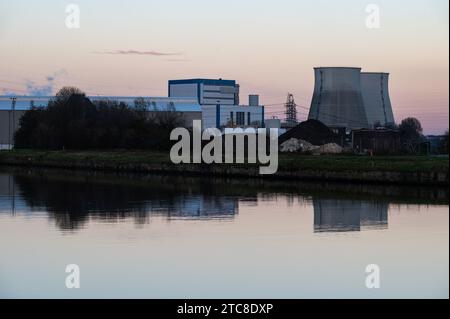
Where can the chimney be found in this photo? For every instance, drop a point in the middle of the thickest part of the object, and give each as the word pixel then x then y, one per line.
pixel 253 100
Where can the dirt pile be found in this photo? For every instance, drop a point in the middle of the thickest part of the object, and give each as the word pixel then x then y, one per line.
pixel 294 145
pixel 312 131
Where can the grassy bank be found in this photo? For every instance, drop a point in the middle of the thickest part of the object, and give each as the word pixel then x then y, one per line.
pixel 392 169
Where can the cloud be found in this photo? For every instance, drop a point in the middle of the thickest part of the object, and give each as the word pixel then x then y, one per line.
pixel 136 52
pixel 39 90
pixel 45 89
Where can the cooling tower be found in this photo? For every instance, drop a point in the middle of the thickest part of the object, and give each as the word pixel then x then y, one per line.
pixel 337 99
pixel 375 92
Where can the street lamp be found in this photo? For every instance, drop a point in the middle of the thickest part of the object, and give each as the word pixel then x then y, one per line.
pixel 13 108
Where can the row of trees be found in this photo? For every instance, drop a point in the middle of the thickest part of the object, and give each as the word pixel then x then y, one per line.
pixel 72 121
pixel 412 139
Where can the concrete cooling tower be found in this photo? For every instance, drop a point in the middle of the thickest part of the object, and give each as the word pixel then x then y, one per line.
pixel 337 99
pixel 375 92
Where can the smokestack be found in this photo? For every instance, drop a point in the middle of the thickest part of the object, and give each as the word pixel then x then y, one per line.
pixel 253 100
pixel 236 94
pixel 337 99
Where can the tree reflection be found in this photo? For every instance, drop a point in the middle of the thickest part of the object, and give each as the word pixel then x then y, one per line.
pixel 73 198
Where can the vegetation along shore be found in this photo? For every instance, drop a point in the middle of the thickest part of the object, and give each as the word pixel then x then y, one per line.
pixel 347 168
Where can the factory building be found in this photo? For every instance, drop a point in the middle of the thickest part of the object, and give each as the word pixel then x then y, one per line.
pixel 215 102
pixel 344 97
pixel 219 100
pixel 206 91
pixel 188 107
pixel 10 119
pixel 376 141
pixel 222 116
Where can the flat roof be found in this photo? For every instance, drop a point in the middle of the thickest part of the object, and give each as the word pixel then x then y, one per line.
pixel 215 82
pixel 384 73
pixel 337 67
pixel 158 103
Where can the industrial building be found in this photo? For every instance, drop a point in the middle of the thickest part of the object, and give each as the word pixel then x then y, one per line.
pixel 187 107
pixel 12 110
pixel 219 100
pixel 376 141
pixel 215 102
pixel 346 97
pixel 221 116
pixel 206 91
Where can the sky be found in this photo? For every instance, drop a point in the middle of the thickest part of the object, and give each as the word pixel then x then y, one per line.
pixel 269 47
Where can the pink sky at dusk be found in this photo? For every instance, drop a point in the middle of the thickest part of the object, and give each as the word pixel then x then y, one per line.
pixel 269 48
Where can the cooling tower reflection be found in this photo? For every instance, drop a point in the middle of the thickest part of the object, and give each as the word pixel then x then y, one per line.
pixel 72 199
pixel 332 215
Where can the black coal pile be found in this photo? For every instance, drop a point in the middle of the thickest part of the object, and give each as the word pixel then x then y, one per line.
pixel 312 131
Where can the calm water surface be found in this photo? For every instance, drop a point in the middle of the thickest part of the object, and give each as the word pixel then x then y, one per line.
pixel 172 237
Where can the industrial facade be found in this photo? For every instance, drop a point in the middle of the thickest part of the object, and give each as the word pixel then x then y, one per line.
pixel 206 91
pixel 219 100
pixel 10 119
pixel 215 102
pixel 220 116
pixel 345 97
pixel 376 141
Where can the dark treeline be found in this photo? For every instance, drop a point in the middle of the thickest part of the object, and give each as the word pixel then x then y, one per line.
pixel 72 121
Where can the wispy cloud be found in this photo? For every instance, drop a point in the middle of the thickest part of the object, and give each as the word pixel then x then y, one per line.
pixel 137 52
pixel 46 88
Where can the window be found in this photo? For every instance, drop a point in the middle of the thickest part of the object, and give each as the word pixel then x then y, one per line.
pixel 248 118
pixel 240 118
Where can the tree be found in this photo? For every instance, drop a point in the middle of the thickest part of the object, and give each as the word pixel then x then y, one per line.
pixel 72 121
pixel 141 104
pixel 66 92
pixel 446 142
pixel 411 134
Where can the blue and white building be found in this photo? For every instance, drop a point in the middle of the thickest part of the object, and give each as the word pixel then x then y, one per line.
pixel 206 91
pixel 219 100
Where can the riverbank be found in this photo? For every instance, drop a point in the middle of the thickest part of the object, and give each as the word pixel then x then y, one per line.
pixel 346 168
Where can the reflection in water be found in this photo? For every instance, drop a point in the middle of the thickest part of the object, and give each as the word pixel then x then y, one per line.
pixel 71 199
pixel 71 202
pixel 332 215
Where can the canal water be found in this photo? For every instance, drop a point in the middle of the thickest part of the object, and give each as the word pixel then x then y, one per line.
pixel 142 236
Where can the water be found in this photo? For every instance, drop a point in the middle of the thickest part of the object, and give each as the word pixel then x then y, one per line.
pixel 173 237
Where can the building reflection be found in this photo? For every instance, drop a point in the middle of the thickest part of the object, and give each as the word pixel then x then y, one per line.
pixel 72 202
pixel 72 199
pixel 342 215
